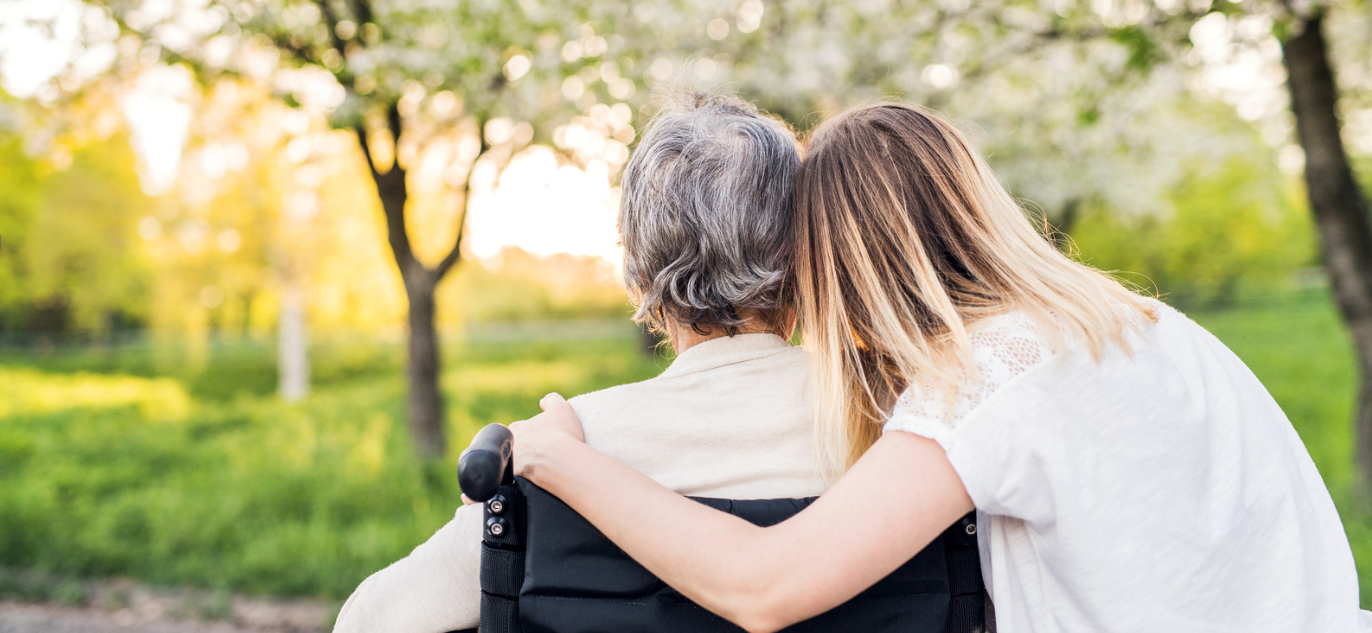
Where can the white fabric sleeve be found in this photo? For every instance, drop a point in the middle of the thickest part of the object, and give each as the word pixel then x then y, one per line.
pixel 437 588
pixel 906 418
pixel 975 468
pixel 998 454
pixel 982 442
pixel 967 460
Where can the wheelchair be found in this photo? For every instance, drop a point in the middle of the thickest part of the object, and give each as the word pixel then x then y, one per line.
pixel 544 568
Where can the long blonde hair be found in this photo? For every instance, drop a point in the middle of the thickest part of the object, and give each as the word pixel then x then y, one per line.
pixel 904 238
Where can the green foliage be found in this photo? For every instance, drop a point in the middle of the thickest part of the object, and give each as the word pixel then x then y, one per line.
pixel 1235 222
pixel 382 54
pixel 20 180
pixel 522 287
pixel 1144 52
pixel 83 252
pixel 113 473
pixel 68 257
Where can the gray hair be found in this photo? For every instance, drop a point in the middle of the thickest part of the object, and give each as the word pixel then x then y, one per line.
pixel 706 214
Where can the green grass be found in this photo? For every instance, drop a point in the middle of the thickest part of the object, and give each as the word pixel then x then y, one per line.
pixel 178 466
pixel 1303 355
pixel 182 481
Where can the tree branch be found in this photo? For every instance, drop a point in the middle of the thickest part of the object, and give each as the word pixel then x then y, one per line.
pixel 455 255
pixel 395 124
pixel 299 53
pixel 331 20
pixel 361 131
pixel 392 190
pixel 362 10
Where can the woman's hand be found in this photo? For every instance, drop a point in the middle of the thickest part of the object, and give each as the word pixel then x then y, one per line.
pixel 544 436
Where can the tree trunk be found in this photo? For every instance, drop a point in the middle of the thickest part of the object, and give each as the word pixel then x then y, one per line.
pixel 425 406
pixel 245 327
pixel 425 399
pixel 293 354
pixel 1338 204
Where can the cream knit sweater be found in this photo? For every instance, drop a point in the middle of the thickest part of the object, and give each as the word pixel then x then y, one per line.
pixel 729 418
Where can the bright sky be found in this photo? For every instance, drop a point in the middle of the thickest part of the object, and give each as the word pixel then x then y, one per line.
pixel 29 57
pixel 544 208
pixel 539 206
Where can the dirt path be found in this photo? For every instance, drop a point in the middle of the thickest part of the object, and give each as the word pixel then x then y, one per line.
pixel 31 618
pixel 122 606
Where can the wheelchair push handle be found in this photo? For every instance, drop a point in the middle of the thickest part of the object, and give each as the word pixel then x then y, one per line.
pixel 487 463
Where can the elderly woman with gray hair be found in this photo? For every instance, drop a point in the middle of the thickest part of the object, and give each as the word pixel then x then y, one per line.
pixel 705 220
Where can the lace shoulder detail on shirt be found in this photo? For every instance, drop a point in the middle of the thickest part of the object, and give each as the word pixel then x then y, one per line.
pixel 1003 347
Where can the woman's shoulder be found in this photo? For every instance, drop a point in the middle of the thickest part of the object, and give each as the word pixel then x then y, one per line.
pixel 1006 345
pixel 1003 347
pixel 1009 346
pixel 1012 343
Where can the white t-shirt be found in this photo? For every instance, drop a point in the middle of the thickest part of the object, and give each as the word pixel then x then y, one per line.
pixel 1165 491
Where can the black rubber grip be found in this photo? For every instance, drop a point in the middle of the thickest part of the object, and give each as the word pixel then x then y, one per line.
pixel 486 463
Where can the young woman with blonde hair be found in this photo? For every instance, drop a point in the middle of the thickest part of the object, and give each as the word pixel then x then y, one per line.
pixel 1130 473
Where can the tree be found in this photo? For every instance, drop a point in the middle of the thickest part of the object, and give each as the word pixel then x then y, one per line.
pixel 1157 33
pixel 67 260
pixel 400 75
pixel 346 41
pixel 1054 96
pixel 1069 98
pixel 21 179
pixel 1338 203
pixel 1160 34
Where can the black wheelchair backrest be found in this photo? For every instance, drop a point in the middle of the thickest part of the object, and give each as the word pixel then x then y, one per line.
pixel 545 568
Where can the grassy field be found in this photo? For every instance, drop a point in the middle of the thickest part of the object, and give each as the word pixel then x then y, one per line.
pixel 180 467
pixel 204 478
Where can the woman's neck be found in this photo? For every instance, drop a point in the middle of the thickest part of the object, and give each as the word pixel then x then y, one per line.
pixel 683 337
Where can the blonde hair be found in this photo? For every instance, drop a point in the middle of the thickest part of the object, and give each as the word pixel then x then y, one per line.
pixel 904 238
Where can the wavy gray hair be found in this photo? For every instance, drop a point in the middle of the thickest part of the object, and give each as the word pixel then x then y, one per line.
pixel 706 214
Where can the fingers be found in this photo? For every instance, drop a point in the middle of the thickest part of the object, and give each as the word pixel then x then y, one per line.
pixel 551 400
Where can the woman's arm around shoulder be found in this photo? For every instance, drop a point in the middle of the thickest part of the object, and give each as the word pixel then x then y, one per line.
pixel 896 500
